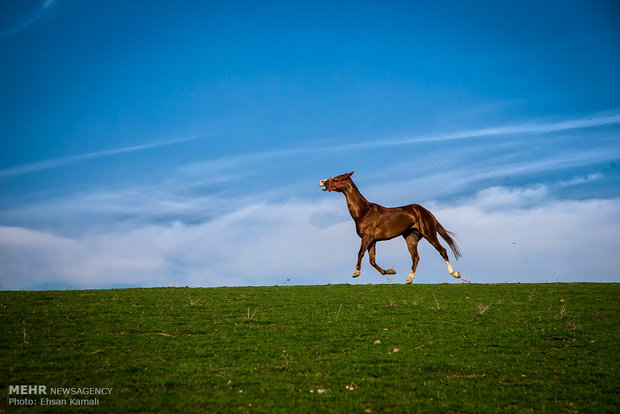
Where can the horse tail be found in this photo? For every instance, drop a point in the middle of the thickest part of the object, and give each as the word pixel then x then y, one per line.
pixel 448 237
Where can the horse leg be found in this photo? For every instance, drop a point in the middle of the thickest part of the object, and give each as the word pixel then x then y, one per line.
pixel 365 245
pixel 371 258
pixel 432 239
pixel 412 240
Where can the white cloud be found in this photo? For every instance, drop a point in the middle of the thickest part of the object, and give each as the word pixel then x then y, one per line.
pixel 257 244
pixel 552 241
pixel 581 180
pixel 501 198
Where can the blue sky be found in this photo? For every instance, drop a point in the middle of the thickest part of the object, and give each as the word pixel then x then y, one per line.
pixel 160 143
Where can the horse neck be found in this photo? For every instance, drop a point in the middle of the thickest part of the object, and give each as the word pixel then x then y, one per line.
pixel 358 205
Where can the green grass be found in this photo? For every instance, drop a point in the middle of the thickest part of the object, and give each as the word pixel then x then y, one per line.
pixel 443 348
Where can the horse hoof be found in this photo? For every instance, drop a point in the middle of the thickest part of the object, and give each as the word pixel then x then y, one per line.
pixel 356 273
pixel 409 281
pixel 457 275
pixel 390 272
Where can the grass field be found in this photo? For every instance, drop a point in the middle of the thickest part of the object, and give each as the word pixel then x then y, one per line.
pixel 334 348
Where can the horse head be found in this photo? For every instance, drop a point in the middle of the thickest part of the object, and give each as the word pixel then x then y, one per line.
pixel 338 183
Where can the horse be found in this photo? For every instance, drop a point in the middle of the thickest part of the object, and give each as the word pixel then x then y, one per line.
pixel 375 223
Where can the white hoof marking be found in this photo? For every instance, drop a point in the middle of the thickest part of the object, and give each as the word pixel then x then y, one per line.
pixel 411 277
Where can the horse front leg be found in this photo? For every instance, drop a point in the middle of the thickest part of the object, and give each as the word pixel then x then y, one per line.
pixel 365 244
pixel 371 257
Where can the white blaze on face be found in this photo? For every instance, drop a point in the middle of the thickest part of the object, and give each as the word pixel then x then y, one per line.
pixel 322 183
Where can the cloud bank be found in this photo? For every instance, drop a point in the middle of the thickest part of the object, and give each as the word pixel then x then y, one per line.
pixel 514 235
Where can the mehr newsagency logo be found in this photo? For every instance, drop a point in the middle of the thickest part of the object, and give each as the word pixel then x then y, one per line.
pixel 43 395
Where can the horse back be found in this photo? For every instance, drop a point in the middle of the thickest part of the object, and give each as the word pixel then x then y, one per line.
pixel 389 222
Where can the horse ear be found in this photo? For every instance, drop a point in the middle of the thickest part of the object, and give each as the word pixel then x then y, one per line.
pixel 351 173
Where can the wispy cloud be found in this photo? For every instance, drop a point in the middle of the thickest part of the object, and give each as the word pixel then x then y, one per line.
pixel 430 175
pixel 527 128
pixel 28 22
pixel 434 179
pixel 233 161
pixel 59 162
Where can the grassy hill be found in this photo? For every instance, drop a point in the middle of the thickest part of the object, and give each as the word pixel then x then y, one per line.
pixel 334 348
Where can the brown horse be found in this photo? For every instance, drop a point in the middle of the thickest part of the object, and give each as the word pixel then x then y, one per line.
pixel 374 223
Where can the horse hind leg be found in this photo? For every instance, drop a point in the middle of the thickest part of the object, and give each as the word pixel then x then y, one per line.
pixel 452 271
pixel 412 244
pixel 442 251
pixel 371 257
